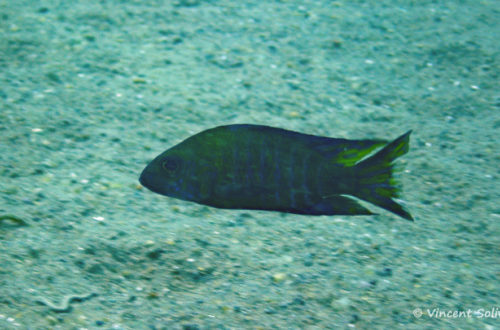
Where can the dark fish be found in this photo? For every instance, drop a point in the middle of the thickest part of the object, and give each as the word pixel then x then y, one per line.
pixel 267 168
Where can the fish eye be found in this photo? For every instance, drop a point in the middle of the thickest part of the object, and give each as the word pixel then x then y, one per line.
pixel 170 164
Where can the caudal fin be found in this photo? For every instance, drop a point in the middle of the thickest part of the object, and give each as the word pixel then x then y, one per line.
pixel 375 181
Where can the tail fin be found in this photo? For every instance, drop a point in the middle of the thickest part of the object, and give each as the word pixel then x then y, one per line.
pixel 375 183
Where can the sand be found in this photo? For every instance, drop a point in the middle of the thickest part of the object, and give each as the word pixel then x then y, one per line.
pixel 91 91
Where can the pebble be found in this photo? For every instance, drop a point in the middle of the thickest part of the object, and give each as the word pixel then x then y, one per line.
pixel 279 277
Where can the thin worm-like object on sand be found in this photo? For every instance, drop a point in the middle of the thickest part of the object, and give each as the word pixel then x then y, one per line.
pixel 65 305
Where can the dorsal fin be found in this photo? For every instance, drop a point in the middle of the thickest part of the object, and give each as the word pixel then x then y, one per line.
pixel 340 151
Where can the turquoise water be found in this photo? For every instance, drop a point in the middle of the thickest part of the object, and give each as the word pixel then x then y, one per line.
pixel 91 91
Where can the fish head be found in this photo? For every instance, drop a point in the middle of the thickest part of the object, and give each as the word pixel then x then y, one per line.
pixel 178 172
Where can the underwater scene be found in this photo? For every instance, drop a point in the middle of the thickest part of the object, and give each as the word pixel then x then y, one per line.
pixel 204 164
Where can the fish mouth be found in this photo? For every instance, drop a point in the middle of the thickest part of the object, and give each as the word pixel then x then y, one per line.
pixel 151 180
pixel 146 179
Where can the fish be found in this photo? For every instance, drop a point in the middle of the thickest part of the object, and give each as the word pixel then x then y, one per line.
pixel 257 167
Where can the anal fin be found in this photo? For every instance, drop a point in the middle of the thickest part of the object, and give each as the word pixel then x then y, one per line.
pixel 337 205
